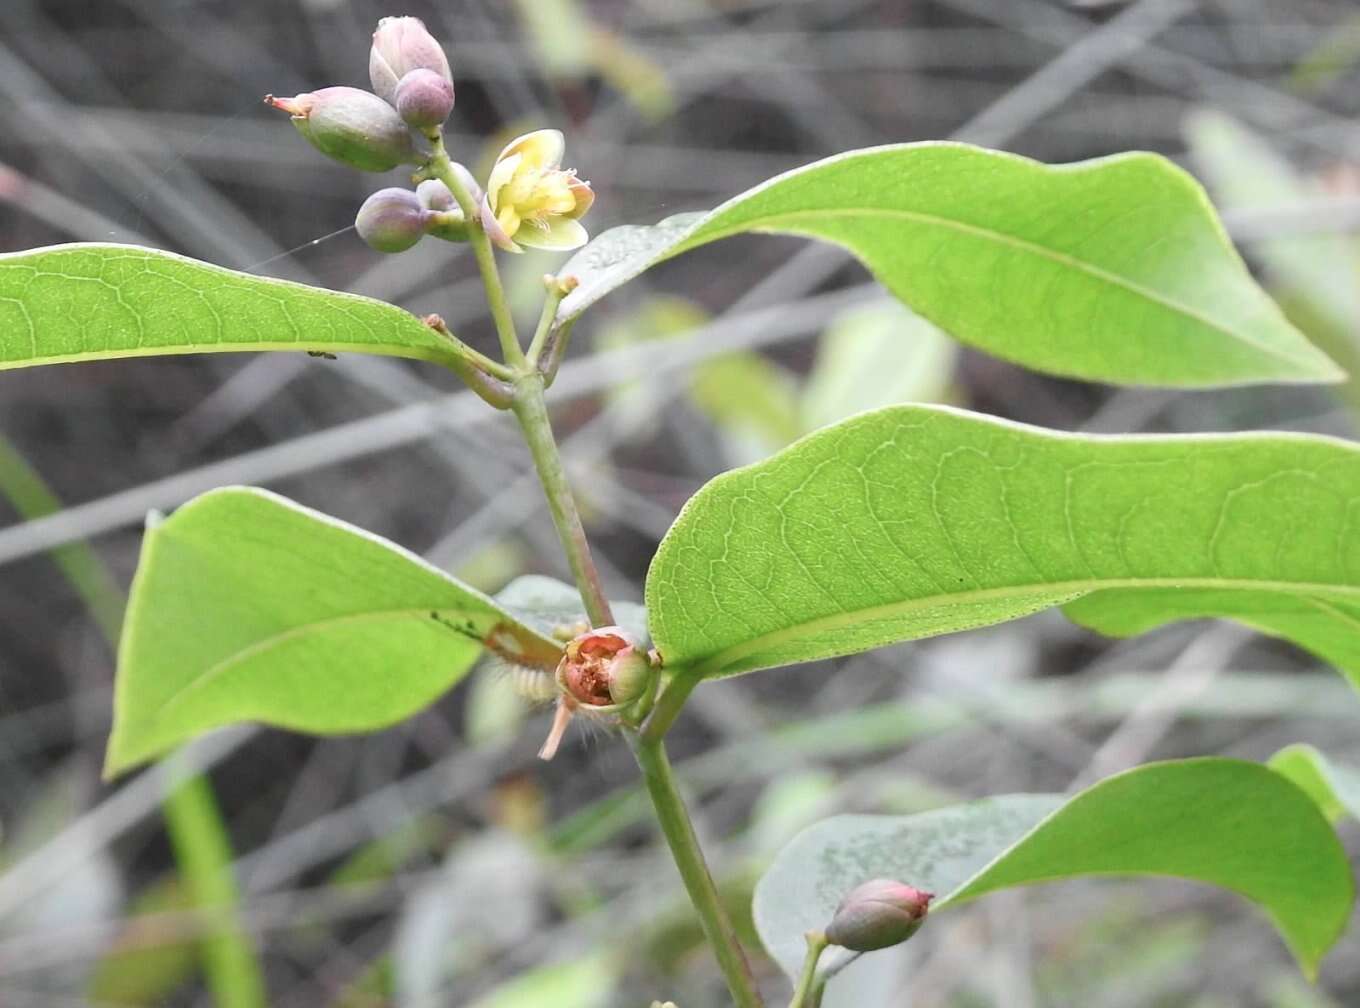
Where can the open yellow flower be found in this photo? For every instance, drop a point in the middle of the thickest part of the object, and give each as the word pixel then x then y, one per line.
pixel 531 200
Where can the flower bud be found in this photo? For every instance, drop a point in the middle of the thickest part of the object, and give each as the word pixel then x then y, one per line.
pixel 532 200
pixel 353 126
pixel 878 914
pixel 435 195
pixel 392 220
pixel 424 99
pixel 605 668
pixel 448 222
pixel 400 45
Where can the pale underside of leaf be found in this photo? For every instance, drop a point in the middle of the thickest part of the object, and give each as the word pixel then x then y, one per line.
pixel 1227 823
pixel 1114 269
pixel 80 302
pixel 914 521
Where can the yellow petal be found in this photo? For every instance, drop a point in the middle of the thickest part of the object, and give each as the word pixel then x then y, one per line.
pixel 501 174
pixel 560 233
pixel 542 148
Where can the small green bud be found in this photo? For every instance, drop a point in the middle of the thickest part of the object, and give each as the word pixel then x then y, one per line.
pixel 424 99
pixel 877 915
pixel 392 220
pixel 354 127
pixel 400 45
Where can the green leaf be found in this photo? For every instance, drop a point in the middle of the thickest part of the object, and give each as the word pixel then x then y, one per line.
pixel 1115 269
pixel 92 302
pixel 1334 787
pixel 1314 274
pixel 249 607
pixel 1224 822
pixel 914 521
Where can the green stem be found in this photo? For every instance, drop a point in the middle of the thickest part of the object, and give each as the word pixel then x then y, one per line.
pixel 815 995
pixel 532 412
pixel 557 290
pixel 689 859
pixel 668 706
pixel 203 853
pixel 441 167
pixel 551 357
pixel 807 983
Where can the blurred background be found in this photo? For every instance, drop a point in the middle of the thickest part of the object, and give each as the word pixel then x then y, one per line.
pixel 439 863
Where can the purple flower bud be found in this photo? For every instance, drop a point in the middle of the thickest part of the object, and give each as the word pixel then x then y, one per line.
pixel 400 45
pixel 392 220
pixel 424 99
pixel 354 127
pixel 435 195
pixel 878 914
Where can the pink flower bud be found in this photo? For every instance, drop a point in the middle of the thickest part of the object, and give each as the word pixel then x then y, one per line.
pixel 424 99
pixel 392 220
pixel 352 126
pixel 400 45
pixel 878 914
pixel 605 668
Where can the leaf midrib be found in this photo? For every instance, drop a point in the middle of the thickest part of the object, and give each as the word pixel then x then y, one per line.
pixel 714 664
pixel 224 665
pixel 773 222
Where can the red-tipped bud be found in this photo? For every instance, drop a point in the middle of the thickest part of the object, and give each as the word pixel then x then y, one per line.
pixel 605 668
pixel 400 45
pixel 392 220
pixel 353 126
pixel 424 99
pixel 877 915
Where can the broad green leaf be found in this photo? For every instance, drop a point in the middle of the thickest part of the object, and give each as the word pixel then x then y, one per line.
pixel 92 302
pixel 1227 823
pixel 1334 787
pixel 1245 173
pixel 248 607
pixel 914 521
pixel 1115 269
pixel 877 354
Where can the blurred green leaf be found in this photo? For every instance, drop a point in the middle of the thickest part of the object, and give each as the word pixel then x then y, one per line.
pixel 878 354
pixel 587 982
pixel 22 485
pixel 150 958
pixel 1335 788
pixel 249 607
pixel 1115 269
pixel 914 521
pixel 1228 823
pixel 751 400
pixel 550 605
pixel 93 302
pixel 560 35
pixel 1321 270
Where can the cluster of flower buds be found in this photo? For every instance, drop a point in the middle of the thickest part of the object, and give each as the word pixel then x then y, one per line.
pixel 529 199
pixel 877 915
pixel 603 672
